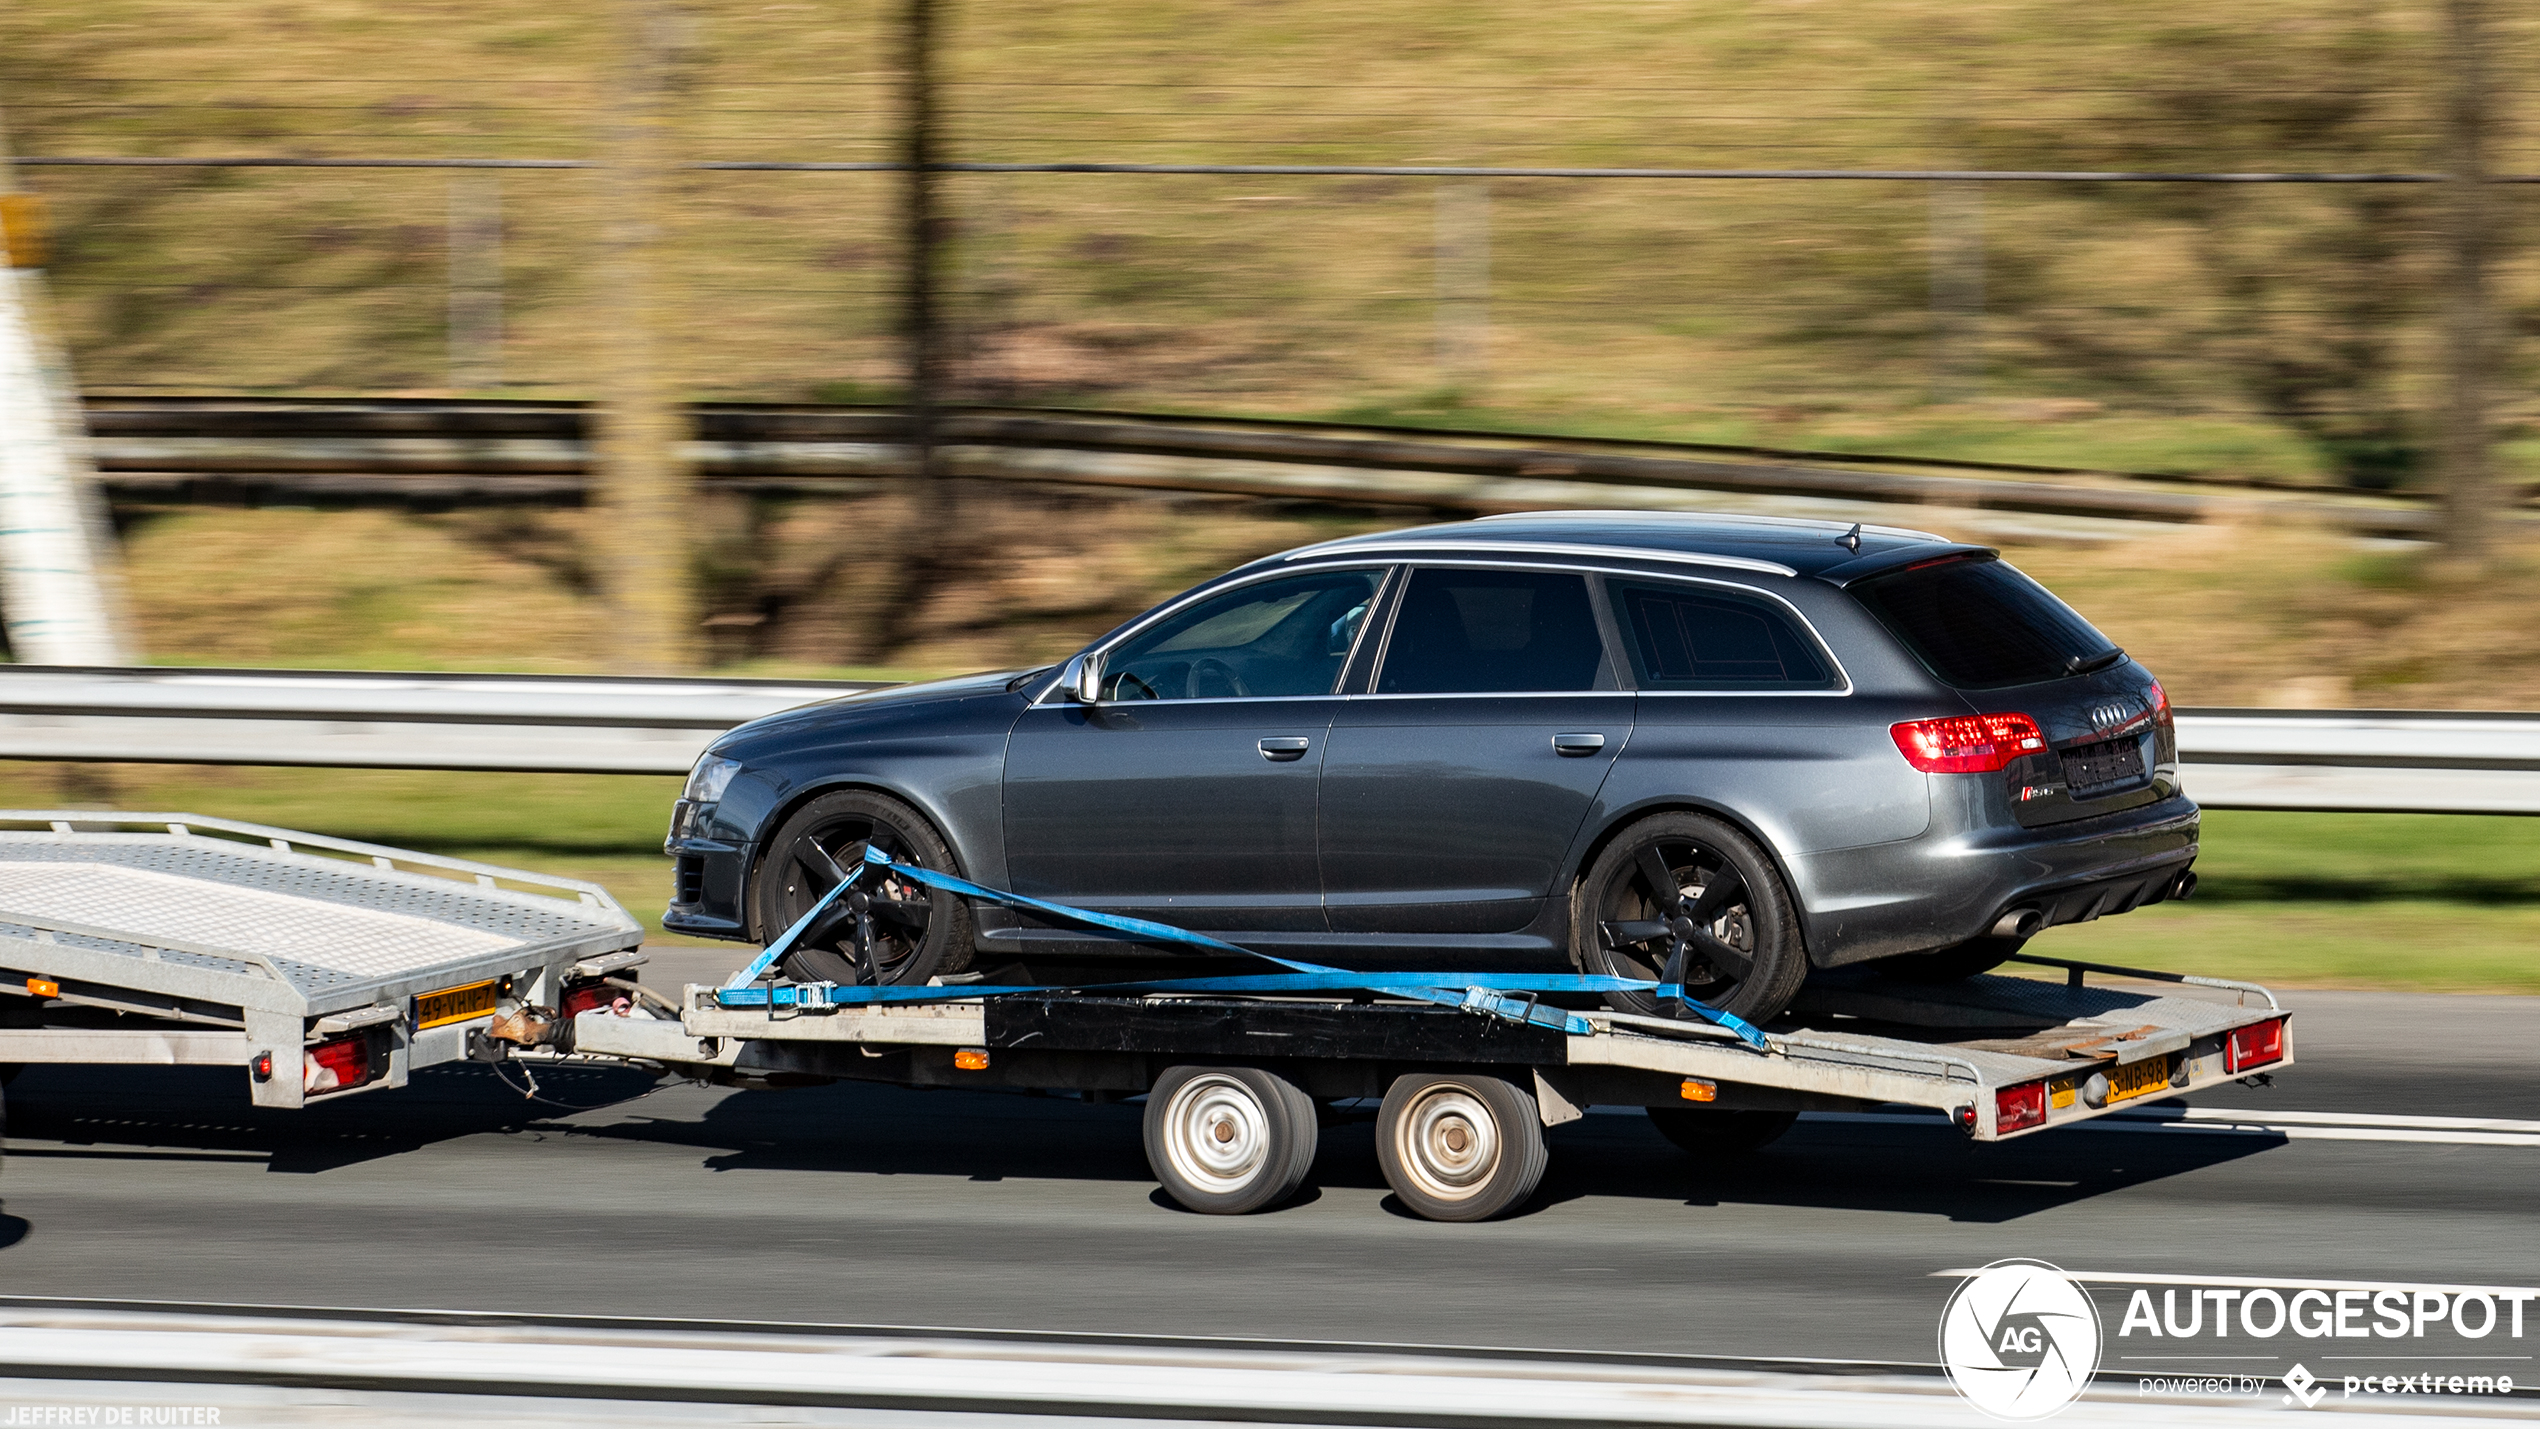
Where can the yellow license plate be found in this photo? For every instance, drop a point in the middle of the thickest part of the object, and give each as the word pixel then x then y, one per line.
pixel 2135 1079
pixel 455 1004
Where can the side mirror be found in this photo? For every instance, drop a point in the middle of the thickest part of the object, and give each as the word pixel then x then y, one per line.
pixel 1082 680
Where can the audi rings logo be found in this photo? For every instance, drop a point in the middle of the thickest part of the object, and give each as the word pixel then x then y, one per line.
pixel 2020 1340
pixel 2107 719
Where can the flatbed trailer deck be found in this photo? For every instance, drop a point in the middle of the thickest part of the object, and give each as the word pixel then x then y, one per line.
pixel 240 944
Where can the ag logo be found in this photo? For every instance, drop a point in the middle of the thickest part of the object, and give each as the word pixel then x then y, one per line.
pixel 2020 1340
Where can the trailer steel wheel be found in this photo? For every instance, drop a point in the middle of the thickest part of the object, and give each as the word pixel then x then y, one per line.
pixel 1226 1141
pixel 1706 1132
pixel 1460 1148
pixel 885 931
pixel 1685 897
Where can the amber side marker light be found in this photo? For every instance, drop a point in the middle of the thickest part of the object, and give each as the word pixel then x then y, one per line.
pixel 1694 1089
pixel 43 987
pixel 971 1059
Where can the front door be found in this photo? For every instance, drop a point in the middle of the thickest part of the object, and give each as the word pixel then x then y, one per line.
pixel 1188 794
pixel 1452 792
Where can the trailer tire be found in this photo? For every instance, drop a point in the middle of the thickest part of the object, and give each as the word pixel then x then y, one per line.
pixel 1460 1148
pixel 1704 1132
pixel 1228 1141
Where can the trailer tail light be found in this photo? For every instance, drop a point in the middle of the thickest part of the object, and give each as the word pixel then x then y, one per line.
pixel 1967 744
pixel 586 997
pixel 2019 1108
pixel 2254 1046
pixel 337 1064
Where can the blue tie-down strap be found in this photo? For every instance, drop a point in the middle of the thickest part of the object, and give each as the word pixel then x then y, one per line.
pixel 1481 993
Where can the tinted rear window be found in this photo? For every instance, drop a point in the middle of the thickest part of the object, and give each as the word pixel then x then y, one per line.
pixel 1686 637
pixel 1979 625
pixel 1497 632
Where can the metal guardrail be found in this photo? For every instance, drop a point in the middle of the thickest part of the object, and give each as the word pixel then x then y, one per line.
pixel 2361 760
pixel 229 449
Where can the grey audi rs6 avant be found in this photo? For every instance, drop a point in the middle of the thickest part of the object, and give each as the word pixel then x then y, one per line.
pixel 1603 740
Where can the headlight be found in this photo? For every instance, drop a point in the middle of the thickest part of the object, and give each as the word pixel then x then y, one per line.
pixel 709 779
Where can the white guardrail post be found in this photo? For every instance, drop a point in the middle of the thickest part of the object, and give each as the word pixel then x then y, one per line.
pixel 2361 760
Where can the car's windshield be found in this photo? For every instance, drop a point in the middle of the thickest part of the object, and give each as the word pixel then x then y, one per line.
pixel 1276 637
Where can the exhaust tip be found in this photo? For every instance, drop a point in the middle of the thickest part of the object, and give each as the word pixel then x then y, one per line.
pixel 2019 923
pixel 2185 887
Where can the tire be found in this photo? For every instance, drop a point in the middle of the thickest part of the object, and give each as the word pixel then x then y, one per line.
pixel 784 889
pixel 1228 1141
pixel 1952 964
pixel 1752 919
pixel 1460 1148
pixel 1706 1133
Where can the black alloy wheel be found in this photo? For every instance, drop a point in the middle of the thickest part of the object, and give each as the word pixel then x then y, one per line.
pixel 888 929
pixel 1686 899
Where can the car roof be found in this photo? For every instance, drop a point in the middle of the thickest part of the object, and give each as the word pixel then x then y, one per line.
pixel 1769 545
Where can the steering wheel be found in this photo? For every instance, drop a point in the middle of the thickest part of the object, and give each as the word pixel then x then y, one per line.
pixel 1209 671
pixel 1125 686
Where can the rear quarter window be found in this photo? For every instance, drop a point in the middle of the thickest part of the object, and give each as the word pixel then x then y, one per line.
pixel 1979 624
pixel 1690 637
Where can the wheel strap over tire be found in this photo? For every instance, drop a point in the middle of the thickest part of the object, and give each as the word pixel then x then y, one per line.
pixel 1483 993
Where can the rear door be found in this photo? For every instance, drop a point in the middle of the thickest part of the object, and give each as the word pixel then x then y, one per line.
pixel 1453 788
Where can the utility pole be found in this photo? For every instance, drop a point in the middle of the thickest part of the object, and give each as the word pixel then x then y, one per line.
pixel 1957 289
pixel 645 502
pixel 476 280
pixel 58 593
pixel 2469 338
pixel 926 542
pixel 1463 283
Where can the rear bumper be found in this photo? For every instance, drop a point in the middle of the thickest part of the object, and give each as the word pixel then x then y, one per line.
pixel 1947 887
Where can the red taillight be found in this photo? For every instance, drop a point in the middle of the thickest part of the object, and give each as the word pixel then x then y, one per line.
pixel 2254 1046
pixel 587 996
pixel 334 1065
pixel 1967 744
pixel 2161 707
pixel 2019 1108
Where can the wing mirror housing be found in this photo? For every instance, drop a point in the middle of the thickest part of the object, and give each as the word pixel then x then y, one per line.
pixel 1081 680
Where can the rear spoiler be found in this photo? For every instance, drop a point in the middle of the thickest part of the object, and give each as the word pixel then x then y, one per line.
pixel 1904 558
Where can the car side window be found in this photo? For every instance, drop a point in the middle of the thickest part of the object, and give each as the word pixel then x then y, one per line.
pixel 1277 637
pixel 1492 632
pixel 1692 637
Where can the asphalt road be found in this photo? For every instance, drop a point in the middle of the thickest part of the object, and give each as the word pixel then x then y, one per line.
pixel 872 1205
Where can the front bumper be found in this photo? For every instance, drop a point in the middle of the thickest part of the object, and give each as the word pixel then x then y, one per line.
pixel 707 878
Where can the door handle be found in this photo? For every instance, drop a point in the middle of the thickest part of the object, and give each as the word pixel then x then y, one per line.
pixel 1280 748
pixel 1577 746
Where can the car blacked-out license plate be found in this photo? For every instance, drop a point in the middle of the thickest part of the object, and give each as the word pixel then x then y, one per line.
pixel 2097 766
pixel 2134 1079
pixel 455 1004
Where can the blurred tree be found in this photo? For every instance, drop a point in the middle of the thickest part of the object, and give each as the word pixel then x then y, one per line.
pixel 2312 285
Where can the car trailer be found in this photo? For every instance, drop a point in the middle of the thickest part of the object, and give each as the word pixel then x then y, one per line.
pixel 318 966
pixel 1237 1086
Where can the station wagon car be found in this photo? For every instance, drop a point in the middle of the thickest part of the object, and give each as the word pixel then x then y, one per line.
pixel 1733 748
